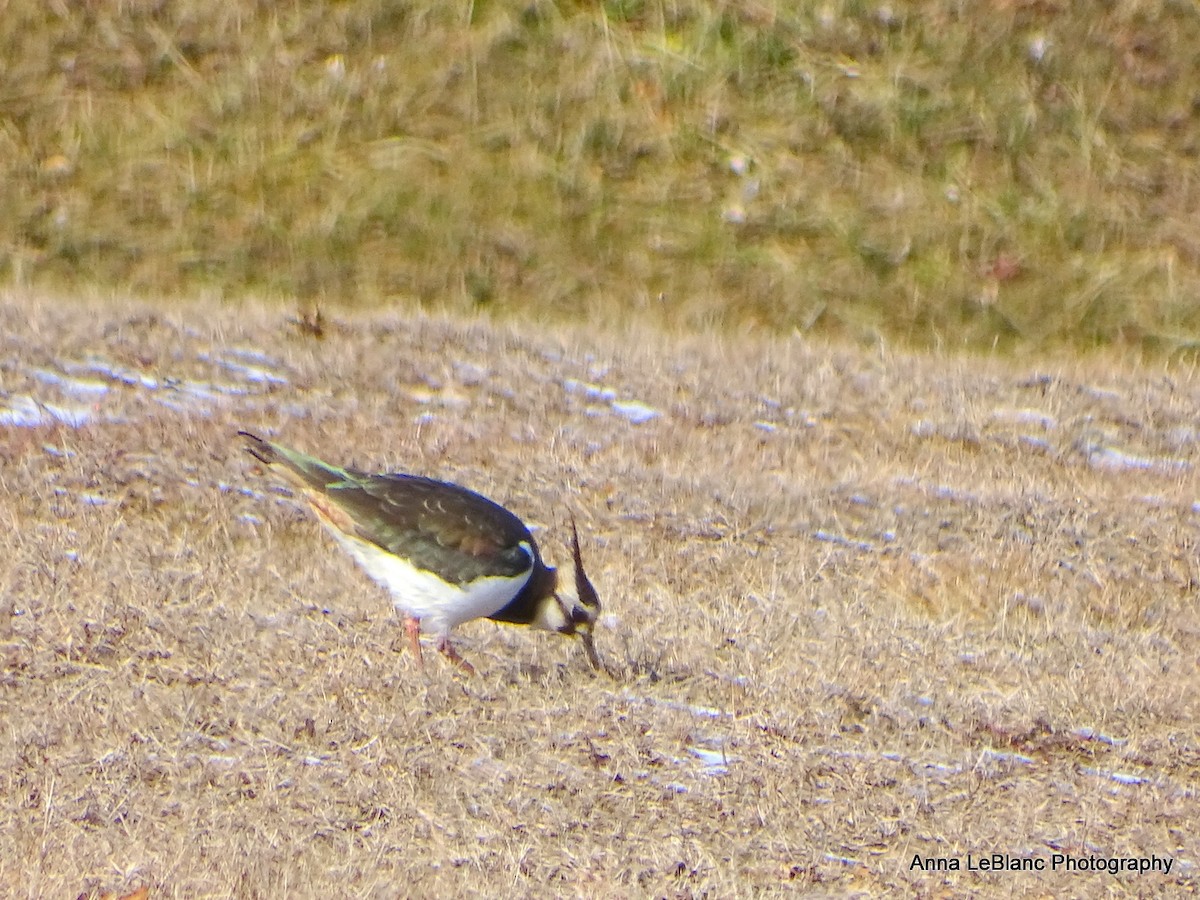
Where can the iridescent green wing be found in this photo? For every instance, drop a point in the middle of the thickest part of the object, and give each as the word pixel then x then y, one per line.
pixel 439 527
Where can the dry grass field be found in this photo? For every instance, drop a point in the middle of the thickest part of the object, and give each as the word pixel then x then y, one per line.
pixel 859 607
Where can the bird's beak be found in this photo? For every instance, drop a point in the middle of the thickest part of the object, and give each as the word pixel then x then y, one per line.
pixel 589 645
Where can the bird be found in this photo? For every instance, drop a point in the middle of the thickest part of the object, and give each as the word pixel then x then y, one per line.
pixel 444 553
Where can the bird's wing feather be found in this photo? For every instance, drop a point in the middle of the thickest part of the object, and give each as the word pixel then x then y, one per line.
pixel 438 526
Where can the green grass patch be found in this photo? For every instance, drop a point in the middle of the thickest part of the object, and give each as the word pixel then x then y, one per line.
pixel 976 175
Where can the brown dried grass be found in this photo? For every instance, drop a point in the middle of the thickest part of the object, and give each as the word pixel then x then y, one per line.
pixel 868 610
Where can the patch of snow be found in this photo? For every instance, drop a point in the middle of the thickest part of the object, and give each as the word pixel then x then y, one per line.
pixel 112 371
pixel 635 411
pixel 589 390
pixel 1099 393
pixel 842 541
pixel 1118 777
pixel 945 492
pixel 69 384
pixel 252 354
pixel 1090 734
pixel 23 411
pixel 1026 416
pixel 844 860
pixel 1114 460
pixel 942 767
pixel 254 373
pixel 715 762
pixel 470 374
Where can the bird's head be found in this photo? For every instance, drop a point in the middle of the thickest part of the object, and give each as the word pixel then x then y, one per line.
pixel 573 606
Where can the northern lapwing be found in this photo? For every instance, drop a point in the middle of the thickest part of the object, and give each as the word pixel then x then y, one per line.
pixel 445 554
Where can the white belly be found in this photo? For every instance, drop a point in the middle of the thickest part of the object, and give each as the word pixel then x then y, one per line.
pixel 424 596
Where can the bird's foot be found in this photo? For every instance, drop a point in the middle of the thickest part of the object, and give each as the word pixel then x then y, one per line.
pixel 451 654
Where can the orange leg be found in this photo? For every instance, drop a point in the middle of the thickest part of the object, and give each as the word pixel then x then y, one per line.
pixel 451 654
pixel 413 627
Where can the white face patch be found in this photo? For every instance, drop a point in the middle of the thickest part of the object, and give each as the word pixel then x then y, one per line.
pixel 424 596
pixel 550 615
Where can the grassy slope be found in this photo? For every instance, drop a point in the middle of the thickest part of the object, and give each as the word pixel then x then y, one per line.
pixel 938 173
pixel 917 607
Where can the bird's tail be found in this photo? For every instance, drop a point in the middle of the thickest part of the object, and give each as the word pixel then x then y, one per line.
pixel 302 469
